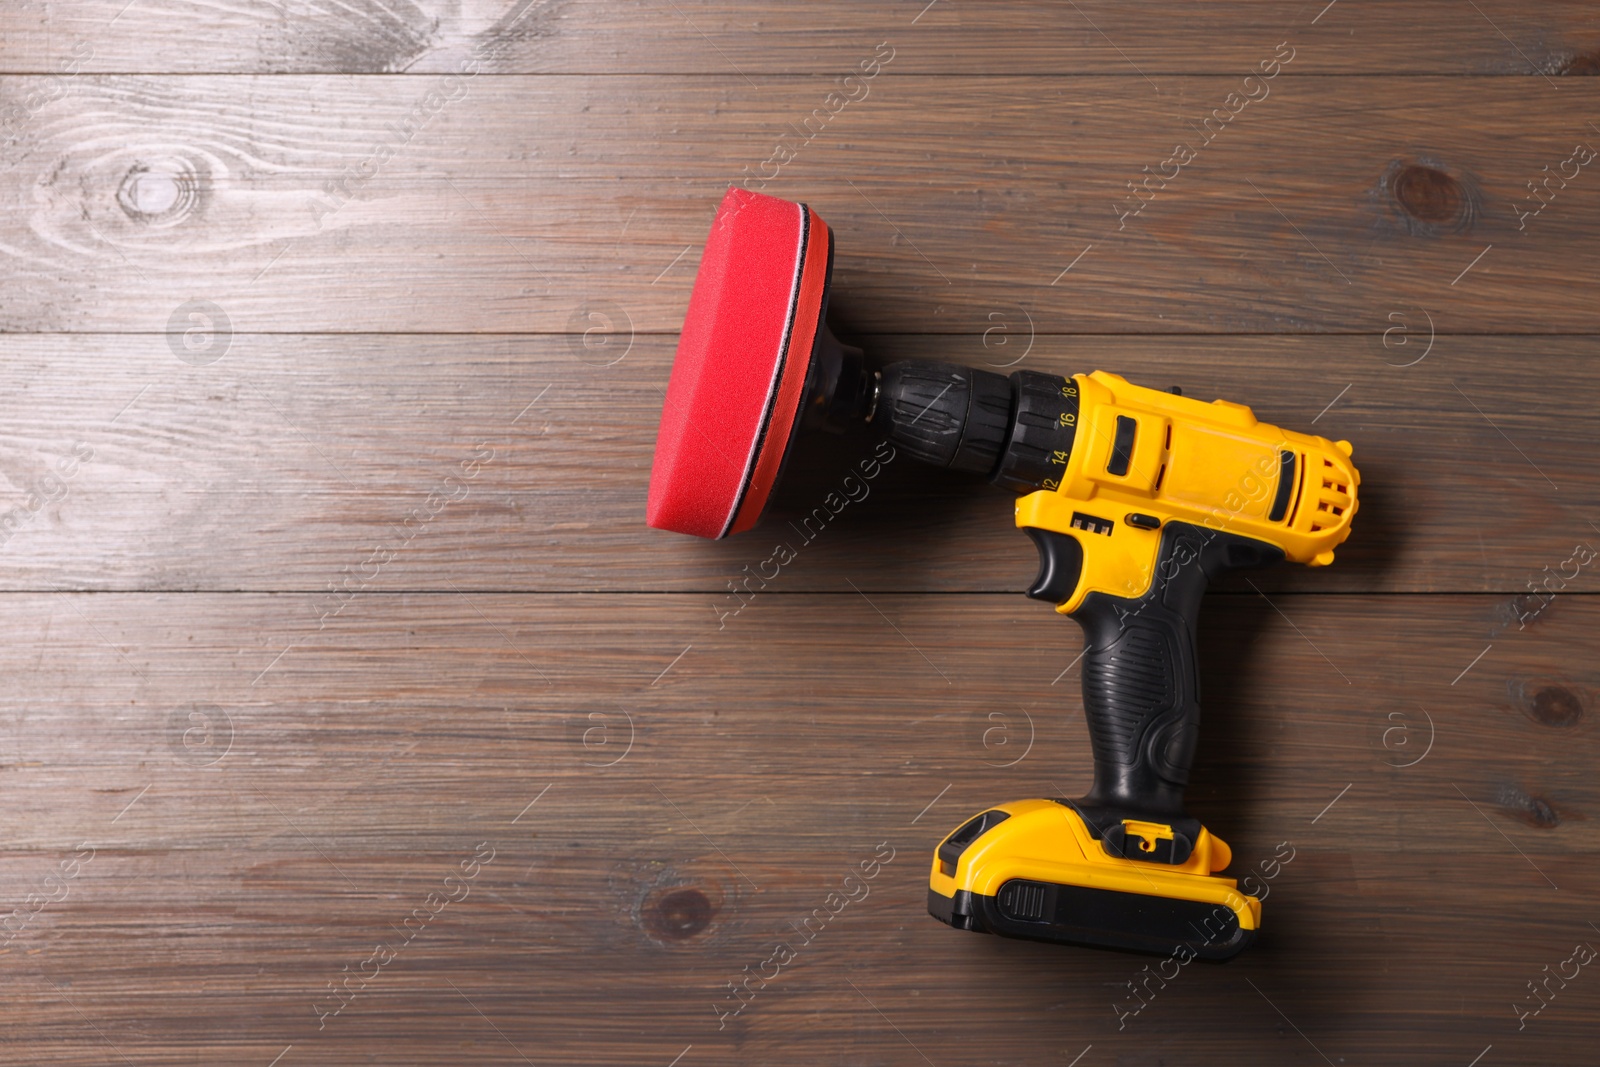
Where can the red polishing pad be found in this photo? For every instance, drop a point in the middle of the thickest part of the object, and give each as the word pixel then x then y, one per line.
pixel 741 365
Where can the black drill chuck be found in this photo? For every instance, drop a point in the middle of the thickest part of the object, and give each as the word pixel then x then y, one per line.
pixel 1018 431
pixel 945 414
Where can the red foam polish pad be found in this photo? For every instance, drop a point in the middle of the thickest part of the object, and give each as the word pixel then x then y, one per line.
pixel 741 365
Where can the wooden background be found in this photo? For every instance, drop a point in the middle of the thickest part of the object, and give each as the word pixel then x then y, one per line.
pixel 329 392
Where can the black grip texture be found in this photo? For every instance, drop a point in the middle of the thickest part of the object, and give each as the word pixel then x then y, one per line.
pixel 1141 677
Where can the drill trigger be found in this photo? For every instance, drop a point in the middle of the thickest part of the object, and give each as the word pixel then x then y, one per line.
pixel 1060 564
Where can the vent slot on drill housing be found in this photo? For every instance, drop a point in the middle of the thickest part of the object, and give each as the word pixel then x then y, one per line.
pixel 1334 497
pixel 1286 471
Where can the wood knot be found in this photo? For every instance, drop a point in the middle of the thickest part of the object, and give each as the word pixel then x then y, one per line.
pixel 1535 811
pixel 1431 200
pixel 160 192
pixel 676 913
pixel 1428 194
pixel 1555 705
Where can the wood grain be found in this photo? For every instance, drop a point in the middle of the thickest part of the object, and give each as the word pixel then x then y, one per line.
pixel 321 203
pixel 245 865
pixel 294 460
pixel 718 37
pixel 328 619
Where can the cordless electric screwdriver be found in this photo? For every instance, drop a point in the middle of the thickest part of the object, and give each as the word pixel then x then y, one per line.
pixel 1136 499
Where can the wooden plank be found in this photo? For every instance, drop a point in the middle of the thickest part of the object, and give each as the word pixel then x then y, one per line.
pixel 373 463
pixel 328 618
pixel 255 835
pixel 527 201
pixel 716 37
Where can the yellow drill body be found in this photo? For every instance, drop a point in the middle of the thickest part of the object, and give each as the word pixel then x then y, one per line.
pixel 1213 465
pixel 1150 496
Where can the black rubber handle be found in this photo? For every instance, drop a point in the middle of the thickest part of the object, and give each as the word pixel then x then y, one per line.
pixel 1141 678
